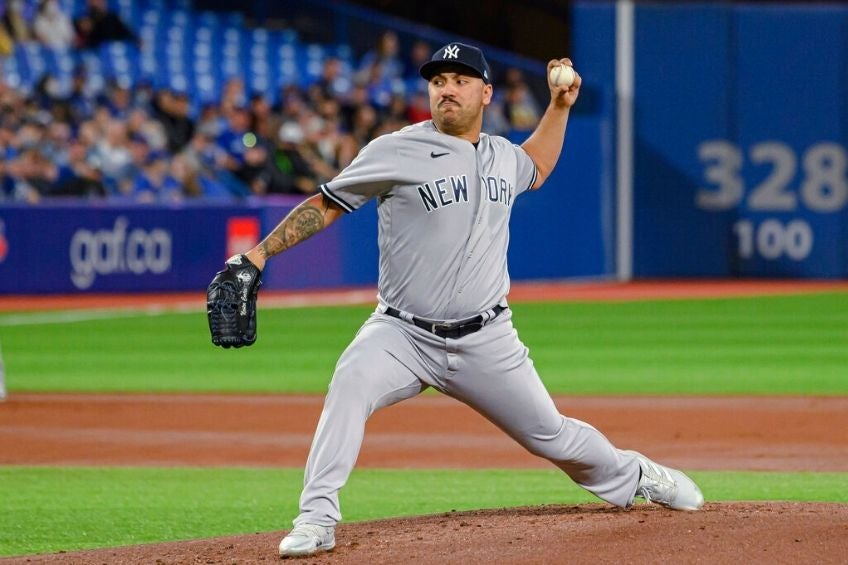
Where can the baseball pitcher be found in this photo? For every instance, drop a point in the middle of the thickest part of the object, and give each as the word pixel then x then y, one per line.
pixel 445 191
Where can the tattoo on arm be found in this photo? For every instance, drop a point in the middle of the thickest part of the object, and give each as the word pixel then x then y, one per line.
pixel 303 222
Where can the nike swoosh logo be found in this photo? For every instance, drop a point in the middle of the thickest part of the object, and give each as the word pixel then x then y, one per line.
pixel 435 155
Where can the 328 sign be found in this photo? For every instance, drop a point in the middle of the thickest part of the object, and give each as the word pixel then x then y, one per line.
pixel 821 171
pixel 817 180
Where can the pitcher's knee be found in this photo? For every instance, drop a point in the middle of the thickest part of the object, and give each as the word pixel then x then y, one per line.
pixel 564 440
pixel 546 449
pixel 548 444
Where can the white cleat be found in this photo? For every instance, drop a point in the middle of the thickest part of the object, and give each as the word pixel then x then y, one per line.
pixel 666 486
pixel 306 539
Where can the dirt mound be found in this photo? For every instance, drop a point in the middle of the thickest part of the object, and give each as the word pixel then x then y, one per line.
pixel 738 433
pixel 592 533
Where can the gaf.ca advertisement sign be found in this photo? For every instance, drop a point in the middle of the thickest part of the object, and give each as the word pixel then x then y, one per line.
pixel 119 250
pixel 77 247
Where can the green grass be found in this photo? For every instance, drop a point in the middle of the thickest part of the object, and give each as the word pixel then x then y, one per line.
pixel 62 509
pixel 763 345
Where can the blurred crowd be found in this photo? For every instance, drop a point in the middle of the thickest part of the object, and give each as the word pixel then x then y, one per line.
pixel 141 144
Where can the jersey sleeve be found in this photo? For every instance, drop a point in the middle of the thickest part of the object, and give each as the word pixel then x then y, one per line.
pixel 526 172
pixel 371 173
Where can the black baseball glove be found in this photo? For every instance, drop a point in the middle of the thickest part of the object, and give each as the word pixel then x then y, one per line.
pixel 231 303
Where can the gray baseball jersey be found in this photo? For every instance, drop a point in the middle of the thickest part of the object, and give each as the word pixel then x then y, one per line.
pixel 444 210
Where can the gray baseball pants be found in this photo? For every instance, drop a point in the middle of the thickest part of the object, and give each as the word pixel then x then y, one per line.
pixel 391 360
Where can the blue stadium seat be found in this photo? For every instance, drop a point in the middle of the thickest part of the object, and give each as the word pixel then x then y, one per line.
pixel 77 7
pixel 233 19
pixel 130 12
pixel 95 79
pixel 286 66
pixel 65 63
pixel 34 55
pixel 120 61
pixel 151 17
pixel 310 61
pixel 12 73
pixel 207 87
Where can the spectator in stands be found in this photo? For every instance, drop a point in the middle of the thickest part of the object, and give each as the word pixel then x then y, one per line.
pixel 396 110
pixel 111 150
pixel 118 99
pixel 6 180
pixel 15 23
pixel 56 141
pixel 155 184
pixel 80 102
pixel 7 151
pixel 358 98
pixel 139 150
pixel 98 25
pixel 520 106
pixel 261 117
pixel 181 172
pixel 292 104
pixel 53 27
pixel 333 84
pixel 231 145
pixel 418 108
pixel 152 130
pixel 171 108
pixel 261 174
pixel 495 121
pixel 194 168
pixel 232 138
pixel 380 87
pixel 78 177
pixel 418 55
pixel 7 44
pixel 44 93
pixel 232 96
pixel 320 147
pixel 142 94
pixel 289 158
pixel 364 126
pixel 30 134
pixel 201 156
pixel 32 175
pixel 15 186
pixel 383 59
pixel 334 134
pixel 210 120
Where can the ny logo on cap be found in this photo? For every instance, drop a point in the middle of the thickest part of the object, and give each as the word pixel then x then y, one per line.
pixel 451 52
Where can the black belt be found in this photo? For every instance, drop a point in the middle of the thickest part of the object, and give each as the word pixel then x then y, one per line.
pixel 454 330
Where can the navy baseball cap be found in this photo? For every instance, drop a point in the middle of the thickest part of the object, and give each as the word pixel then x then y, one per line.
pixel 458 54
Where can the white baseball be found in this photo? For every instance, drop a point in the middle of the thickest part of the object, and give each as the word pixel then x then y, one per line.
pixel 562 75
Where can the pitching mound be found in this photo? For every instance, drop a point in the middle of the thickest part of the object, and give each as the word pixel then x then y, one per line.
pixel 592 533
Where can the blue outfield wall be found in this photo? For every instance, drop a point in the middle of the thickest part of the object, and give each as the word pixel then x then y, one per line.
pixel 73 247
pixel 741 135
pixel 741 150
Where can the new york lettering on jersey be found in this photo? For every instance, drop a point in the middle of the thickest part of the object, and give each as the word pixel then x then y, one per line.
pixel 443 192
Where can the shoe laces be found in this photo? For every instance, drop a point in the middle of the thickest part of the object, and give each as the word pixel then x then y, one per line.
pixel 656 484
pixel 310 530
